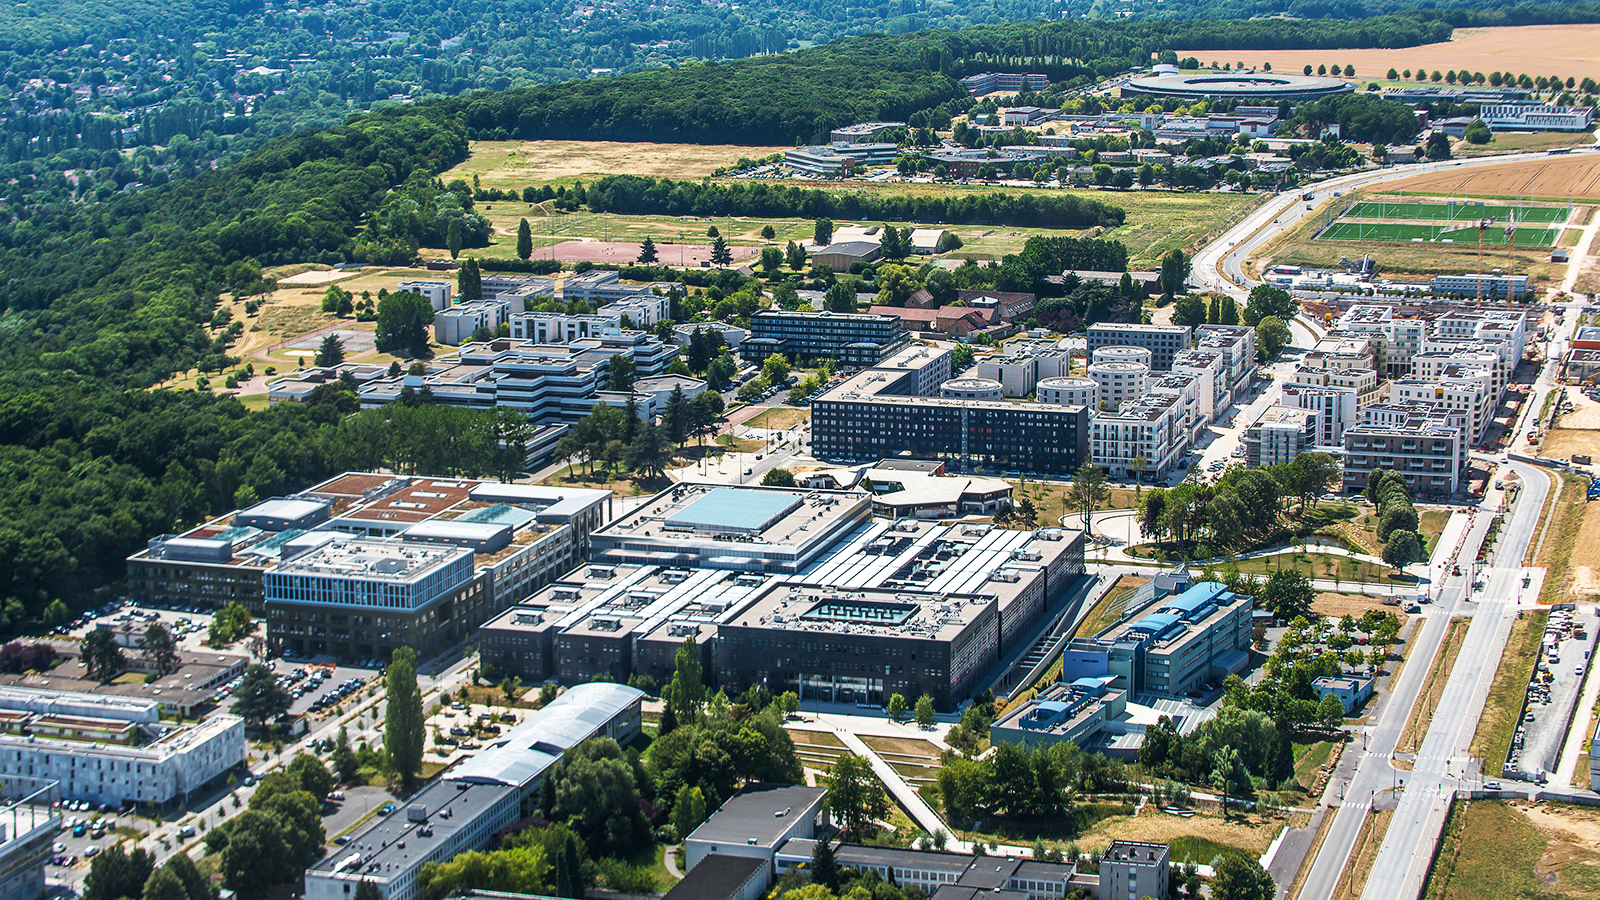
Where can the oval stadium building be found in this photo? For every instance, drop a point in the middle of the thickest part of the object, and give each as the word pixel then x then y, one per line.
pixel 1258 87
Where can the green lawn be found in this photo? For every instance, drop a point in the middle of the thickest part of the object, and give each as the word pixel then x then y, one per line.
pixel 1453 212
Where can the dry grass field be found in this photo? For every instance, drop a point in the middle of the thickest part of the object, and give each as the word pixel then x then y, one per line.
pixel 1565 50
pixel 1493 850
pixel 517 164
pixel 1555 178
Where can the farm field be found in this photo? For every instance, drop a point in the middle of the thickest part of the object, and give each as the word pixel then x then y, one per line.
pixel 1394 231
pixel 1523 143
pixel 1565 50
pixel 1451 212
pixel 1552 178
pixel 517 164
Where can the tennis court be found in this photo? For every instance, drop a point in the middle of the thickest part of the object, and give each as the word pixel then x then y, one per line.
pixel 1452 212
pixel 1401 232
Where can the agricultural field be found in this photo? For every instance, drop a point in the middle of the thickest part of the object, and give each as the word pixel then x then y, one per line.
pixel 1570 51
pixel 1523 143
pixel 1554 178
pixel 517 164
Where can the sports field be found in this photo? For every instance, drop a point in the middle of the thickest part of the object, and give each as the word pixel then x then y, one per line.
pixel 1397 231
pixel 1451 212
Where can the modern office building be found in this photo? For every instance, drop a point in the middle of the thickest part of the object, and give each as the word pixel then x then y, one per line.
pixel 839 157
pixel 27 834
pixel 1473 285
pixel 456 325
pixel 472 803
pixel 755 822
pixel 551 384
pixel 1536 117
pixel 930 607
pixel 1134 869
pixel 1163 341
pixel 850 339
pixel 1076 713
pixel 1198 636
pixel 351 549
pixel 602 287
pixel 114 750
pixel 989 82
pixel 862 133
pixel 887 410
pixel 560 328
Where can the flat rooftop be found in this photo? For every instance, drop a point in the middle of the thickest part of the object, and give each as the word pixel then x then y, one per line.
pixel 698 514
pixel 732 510
pixel 374 560
pixel 761 813
pixel 393 844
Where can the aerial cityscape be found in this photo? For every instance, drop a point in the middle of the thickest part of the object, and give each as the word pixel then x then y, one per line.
pixel 769 451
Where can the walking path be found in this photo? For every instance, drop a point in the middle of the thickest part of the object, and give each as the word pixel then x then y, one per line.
pixel 903 793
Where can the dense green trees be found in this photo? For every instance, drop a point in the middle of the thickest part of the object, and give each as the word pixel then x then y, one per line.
pixel 643 195
pixel 1025 783
pixel 102 659
pixel 855 796
pixel 1242 509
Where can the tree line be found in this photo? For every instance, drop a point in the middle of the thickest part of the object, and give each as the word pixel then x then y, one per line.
pixel 643 195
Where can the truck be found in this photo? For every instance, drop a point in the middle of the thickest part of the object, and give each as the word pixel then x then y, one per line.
pixel 1308 195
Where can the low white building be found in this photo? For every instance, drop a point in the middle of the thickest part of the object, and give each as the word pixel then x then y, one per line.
pixel 435 292
pixel 455 325
pixel 113 750
pixel 1536 117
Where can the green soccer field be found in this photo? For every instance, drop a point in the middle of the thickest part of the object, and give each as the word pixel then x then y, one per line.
pixel 1455 212
pixel 1396 232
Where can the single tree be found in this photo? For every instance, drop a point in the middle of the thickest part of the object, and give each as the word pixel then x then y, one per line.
pixel 778 477
pixel 1088 491
pixel 260 698
pixel 1402 549
pixel 721 256
pixel 403 731
pixel 647 251
pixel 1330 712
pixel 103 660
pixel 453 238
pixel 855 797
pixel 331 353
pixel 688 810
pixel 1138 466
pixel 767 233
pixel 897 706
pixel 923 713
pixel 524 240
pixel 824 868
pixel 160 650
pixel 686 692
pixel 822 234
pixel 469 282
pixel 795 255
pixel 403 323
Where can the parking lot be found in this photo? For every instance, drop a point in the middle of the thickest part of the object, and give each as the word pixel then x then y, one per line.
pixel 1552 694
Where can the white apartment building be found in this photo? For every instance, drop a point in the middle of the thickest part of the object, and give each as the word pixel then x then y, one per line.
pixel 1190 391
pixel 1209 368
pixel 599 287
pixel 1152 427
pixel 435 292
pixel 642 309
pixel 113 750
pixel 1469 391
pixel 1119 382
pixel 1237 343
pixel 1335 407
pixel 1281 434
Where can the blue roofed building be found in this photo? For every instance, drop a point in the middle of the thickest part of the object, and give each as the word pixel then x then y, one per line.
pixel 1183 642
